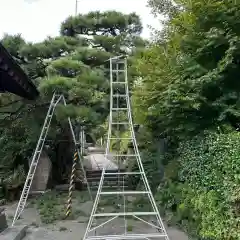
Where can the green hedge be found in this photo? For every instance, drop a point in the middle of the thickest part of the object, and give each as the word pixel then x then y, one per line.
pixel 206 197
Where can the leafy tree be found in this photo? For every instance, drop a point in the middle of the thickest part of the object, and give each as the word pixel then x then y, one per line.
pixel 74 64
pixel 197 89
pixel 189 85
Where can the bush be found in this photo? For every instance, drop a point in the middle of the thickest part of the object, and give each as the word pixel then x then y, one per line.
pixel 207 194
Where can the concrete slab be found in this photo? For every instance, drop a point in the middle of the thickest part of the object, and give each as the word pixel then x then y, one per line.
pixel 99 161
pixel 14 233
pixel 96 150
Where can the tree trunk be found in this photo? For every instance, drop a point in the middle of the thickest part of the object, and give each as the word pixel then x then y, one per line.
pixel 64 155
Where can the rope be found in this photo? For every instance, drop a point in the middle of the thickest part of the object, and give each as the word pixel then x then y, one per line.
pixel 71 185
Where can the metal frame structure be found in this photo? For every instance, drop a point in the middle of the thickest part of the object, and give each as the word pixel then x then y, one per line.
pixel 36 156
pixel 92 227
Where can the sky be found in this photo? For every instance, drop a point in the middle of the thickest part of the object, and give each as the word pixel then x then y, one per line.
pixel 37 19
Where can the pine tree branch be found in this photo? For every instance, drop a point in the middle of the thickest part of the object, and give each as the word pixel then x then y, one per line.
pixel 10 103
pixel 18 113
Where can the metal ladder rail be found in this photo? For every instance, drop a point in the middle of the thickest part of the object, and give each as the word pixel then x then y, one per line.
pixel 96 201
pixel 79 154
pixel 141 168
pixel 35 159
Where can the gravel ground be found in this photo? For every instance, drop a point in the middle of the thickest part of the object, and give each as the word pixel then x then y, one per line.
pixel 75 229
pixel 50 208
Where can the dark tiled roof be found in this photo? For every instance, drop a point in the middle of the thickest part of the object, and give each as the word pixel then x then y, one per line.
pixel 13 79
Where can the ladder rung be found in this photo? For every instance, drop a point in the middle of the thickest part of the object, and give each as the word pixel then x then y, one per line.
pixel 119 109
pixel 113 178
pixel 120 123
pixel 117 70
pixel 22 202
pixel 121 155
pixel 122 173
pixel 119 138
pixel 119 95
pixel 125 214
pixel 128 236
pixel 125 192
pixel 119 82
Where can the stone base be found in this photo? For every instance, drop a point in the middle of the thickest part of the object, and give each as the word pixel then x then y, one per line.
pixel 42 174
pixel 3 220
pixel 14 233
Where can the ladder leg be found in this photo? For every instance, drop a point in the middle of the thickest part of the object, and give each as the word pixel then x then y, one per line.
pixel 95 205
pixel 35 159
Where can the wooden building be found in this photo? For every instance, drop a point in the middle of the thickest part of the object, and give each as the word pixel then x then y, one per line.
pixel 13 79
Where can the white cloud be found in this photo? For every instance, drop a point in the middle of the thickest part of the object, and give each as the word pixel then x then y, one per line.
pixel 37 19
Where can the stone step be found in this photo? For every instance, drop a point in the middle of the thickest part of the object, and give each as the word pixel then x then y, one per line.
pixel 95 150
pixel 14 233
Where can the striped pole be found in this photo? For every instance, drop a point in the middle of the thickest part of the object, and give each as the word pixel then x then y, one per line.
pixel 71 185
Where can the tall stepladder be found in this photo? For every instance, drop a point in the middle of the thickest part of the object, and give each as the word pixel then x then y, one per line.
pixel 56 99
pixel 123 220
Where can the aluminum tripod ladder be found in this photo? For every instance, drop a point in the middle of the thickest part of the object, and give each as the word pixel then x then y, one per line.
pixel 99 226
pixel 36 156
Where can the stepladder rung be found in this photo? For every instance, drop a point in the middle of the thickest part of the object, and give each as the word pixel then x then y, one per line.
pixel 123 82
pixel 30 176
pixel 123 173
pixel 124 193
pixel 22 204
pixel 129 236
pixel 120 95
pixel 119 109
pixel 34 163
pixel 120 123
pixel 118 70
pixel 125 214
pixel 120 138
pixel 27 188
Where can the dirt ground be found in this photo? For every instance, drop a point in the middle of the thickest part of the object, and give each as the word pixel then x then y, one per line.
pixel 44 216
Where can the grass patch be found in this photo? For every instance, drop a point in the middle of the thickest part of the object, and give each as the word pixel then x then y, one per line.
pixel 52 206
pixel 129 228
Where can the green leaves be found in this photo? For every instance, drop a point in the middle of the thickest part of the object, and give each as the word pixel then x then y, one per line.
pixel 97 23
pixel 189 86
pixel 190 80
